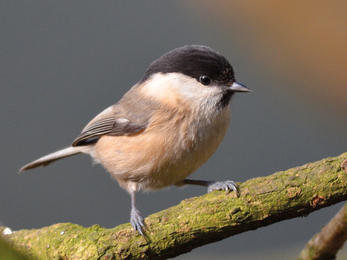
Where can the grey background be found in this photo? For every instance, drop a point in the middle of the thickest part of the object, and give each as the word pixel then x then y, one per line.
pixel 63 62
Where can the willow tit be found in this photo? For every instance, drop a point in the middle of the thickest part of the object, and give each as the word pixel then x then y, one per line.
pixel 164 128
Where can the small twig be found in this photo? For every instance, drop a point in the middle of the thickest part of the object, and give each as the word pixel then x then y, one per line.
pixel 325 244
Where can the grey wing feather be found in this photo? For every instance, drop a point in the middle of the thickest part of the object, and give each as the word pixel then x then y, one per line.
pixel 117 120
pixel 107 126
pixel 94 130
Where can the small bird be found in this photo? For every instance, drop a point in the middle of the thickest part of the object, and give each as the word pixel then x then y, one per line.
pixel 164 128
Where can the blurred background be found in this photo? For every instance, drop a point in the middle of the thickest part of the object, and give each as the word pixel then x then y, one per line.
pixel 62 62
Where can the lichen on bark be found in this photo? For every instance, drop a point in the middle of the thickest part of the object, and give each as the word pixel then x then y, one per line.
pixel 196 221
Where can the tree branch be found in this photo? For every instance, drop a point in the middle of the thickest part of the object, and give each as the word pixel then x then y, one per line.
pixel 325 244
pixel 197 221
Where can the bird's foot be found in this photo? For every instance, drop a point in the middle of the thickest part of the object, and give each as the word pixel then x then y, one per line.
pixel 223 185
pixel 137 221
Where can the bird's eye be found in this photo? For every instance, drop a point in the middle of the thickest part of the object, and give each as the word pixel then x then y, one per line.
pixel 205 80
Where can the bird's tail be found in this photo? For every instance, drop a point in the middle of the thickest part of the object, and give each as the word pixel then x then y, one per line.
pixel 45 160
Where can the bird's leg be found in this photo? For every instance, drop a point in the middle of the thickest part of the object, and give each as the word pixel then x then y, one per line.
pixel 136 219
pixel 214 185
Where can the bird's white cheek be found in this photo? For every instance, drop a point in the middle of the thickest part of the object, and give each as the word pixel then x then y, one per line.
pixel 160 88
pixel 191 90
pixel 176 88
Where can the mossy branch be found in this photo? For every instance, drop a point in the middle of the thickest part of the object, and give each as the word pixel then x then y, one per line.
pixel 325 244
pixel 197 221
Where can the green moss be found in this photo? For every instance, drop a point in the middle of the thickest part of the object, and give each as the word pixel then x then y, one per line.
pixel 199 220
pixel 8 253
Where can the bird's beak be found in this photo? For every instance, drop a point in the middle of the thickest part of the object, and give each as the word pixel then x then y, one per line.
pixel 238 87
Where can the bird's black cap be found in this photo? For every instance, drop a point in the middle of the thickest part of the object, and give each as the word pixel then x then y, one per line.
pixel 193 61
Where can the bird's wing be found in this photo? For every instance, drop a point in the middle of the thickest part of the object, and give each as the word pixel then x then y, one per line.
pixel 108 122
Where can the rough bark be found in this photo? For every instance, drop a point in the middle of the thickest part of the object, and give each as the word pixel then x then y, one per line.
pixel 197 221
pixel 325 244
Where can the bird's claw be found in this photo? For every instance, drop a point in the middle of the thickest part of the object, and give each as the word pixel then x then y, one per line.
pixel 223 185
pixel 137 221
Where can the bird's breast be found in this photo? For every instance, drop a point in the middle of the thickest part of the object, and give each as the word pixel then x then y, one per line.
pixel 170 149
